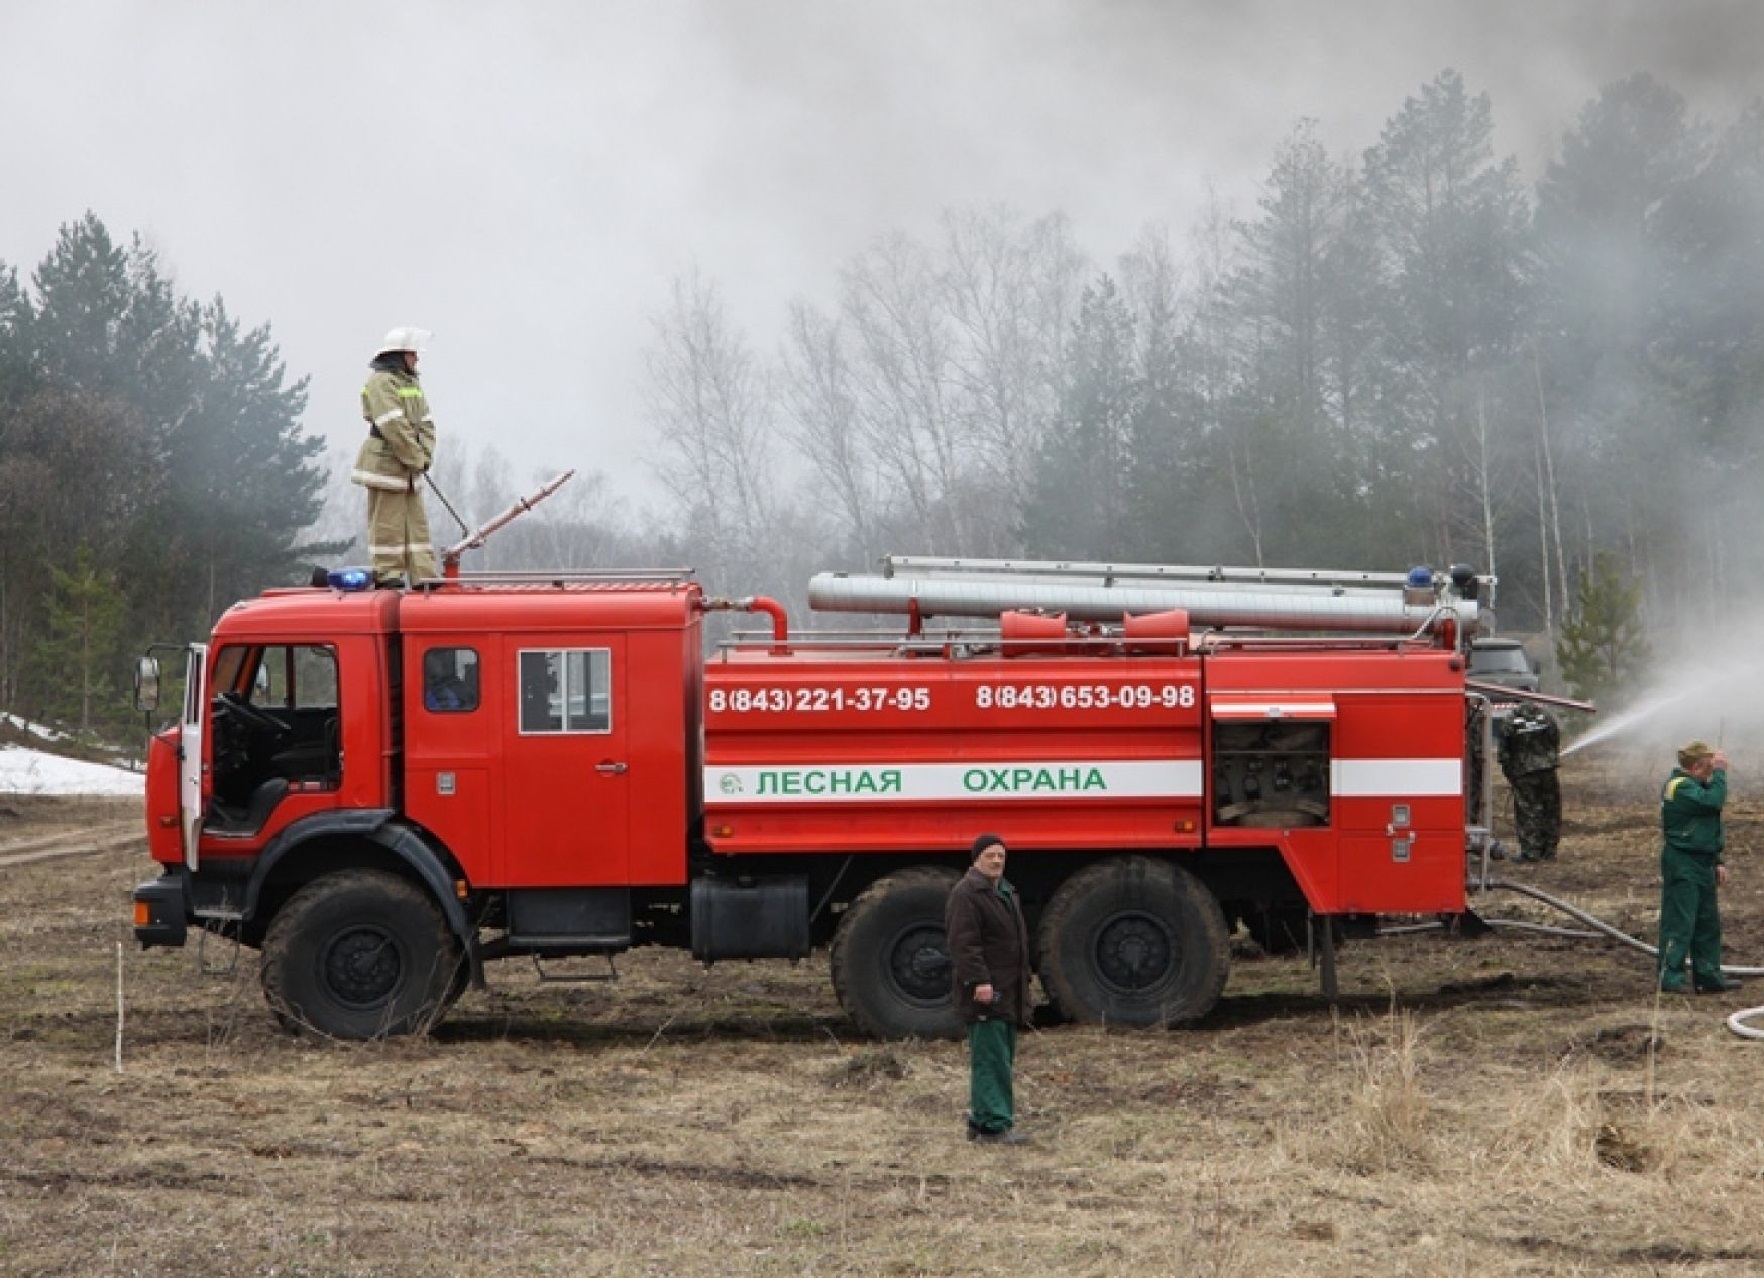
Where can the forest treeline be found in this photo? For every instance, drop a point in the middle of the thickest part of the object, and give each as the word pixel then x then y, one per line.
pixel 152 470
pixel 1408 355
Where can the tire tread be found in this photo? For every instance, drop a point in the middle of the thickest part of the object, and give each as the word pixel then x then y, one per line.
pixel 851 970
pixel 1201 933
pixel 286 940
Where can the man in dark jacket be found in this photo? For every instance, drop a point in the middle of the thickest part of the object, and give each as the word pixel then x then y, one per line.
pixel 1691 869
pixel 989 963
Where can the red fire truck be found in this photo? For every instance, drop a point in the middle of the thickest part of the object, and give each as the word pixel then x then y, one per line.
pixel 384 790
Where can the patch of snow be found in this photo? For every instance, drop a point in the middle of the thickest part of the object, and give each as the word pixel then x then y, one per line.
pixel 35 729
pixel 25 771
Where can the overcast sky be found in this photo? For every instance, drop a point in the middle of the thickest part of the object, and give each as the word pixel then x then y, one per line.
pixel 524 177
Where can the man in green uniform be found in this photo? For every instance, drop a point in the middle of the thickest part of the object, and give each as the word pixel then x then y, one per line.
pixel 399 448
pixel 1691 870
pixel 989 963
pixel 1529 753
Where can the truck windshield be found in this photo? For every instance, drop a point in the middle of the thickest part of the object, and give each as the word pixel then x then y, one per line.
pixel 1500 660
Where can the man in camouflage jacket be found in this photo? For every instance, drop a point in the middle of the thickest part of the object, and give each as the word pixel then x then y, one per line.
pixel 1529 752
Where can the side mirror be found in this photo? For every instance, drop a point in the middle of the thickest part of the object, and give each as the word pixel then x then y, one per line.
pixel 147 685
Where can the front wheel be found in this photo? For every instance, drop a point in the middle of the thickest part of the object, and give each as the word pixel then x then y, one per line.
pixel 890 957
pixel 1134 941
pixel 360 954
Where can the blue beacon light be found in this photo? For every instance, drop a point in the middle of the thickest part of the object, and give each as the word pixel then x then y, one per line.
pixel 350 579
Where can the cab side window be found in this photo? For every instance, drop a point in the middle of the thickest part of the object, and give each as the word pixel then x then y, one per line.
pixel 450 680
pixel 567 690
pixel 296 678
pixel 276 722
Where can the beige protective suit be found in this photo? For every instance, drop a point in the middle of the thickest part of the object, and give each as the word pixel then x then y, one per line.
pixel 400 446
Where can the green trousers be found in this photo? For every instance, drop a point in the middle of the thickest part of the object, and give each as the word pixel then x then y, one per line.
pixel 1690 920
pixel 992 1056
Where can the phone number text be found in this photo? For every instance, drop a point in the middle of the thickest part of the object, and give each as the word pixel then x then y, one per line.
pixel 1083 696
pixel 817 700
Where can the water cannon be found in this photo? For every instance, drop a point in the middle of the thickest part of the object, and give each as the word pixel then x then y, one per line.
pixel 450 555
pixel 353 578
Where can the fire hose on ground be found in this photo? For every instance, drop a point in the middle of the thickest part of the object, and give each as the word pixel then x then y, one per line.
pixel 1736 1022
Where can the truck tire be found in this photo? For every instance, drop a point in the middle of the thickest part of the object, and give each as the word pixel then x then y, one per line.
pixel 891 958
pixel 360 954
pixel 1133 941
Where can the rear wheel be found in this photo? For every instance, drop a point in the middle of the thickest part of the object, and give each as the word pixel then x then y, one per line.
pixel 360 954
pixel 891 957
pixel 1134 942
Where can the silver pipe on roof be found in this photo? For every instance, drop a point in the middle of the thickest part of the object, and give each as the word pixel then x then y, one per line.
pixel 909 565
pixel 1265 608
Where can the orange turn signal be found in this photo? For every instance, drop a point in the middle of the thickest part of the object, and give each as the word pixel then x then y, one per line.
pixel 143 914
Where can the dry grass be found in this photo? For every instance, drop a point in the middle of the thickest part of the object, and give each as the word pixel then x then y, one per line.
pixel 1387 1126
pixel 1475 1107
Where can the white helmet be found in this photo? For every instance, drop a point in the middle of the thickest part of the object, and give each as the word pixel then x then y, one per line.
pixel 404 339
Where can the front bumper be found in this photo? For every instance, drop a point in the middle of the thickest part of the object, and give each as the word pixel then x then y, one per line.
pixel 160 914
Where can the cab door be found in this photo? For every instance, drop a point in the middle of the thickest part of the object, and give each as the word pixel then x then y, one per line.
pixel 192 766
pixel 566 819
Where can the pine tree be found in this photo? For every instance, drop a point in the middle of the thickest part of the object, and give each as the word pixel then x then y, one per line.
pixel 150 428
pixel 76 658
pixel 1602 649
pixel 1605 272
pixel 1451 227
pixel 1080 507
pixel 17 377
pixel 242 476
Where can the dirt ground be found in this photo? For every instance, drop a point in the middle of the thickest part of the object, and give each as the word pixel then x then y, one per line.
pixel 1483 1105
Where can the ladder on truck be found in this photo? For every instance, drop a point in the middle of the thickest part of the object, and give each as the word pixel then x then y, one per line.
pixel 1413 604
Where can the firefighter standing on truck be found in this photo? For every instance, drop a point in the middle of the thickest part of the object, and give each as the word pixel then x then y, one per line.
pixel 399 448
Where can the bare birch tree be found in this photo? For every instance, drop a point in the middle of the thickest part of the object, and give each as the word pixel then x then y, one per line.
pixel 1218 366
pixel 905 395
pixel 1012 294
pixel 822 420
pixel 711 407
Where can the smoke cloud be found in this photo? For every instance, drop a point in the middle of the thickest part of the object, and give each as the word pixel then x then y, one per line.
pixel 524 180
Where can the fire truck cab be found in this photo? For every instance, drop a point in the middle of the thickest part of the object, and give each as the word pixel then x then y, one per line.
pixel 517 758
